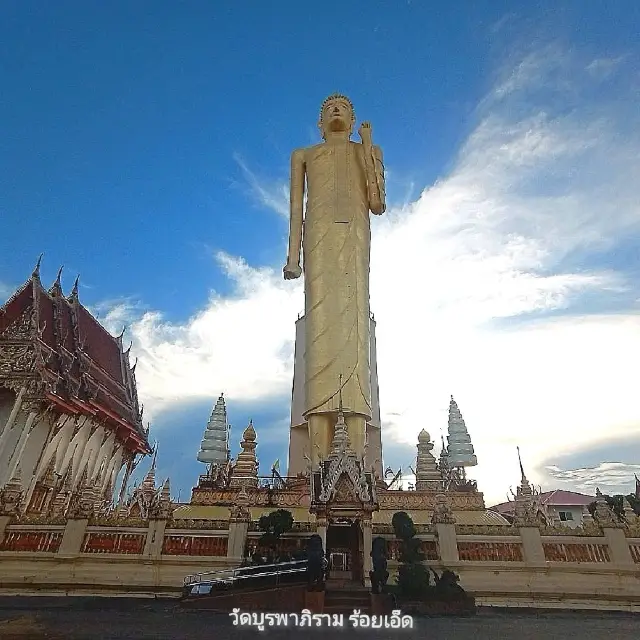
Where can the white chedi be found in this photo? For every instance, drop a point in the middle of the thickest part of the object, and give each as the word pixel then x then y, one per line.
pixel 460 451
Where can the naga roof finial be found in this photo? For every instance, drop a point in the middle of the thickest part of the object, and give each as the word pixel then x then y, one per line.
pixel 56 287
pixel 74 291
pixel 36 269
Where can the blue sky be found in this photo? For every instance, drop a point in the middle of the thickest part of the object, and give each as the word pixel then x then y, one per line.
pixel 145 146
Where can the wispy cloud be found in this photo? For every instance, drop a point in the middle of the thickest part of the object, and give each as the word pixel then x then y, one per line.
pixel 610 477
pixel 535 183
pixel 275 197
pixel 602 68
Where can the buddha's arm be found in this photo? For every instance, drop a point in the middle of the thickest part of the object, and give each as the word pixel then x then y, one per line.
pixel 296 207
pixel 374 171
pixel 378 203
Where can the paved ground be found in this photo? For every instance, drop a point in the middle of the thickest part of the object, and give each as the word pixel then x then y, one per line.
pixel 119 618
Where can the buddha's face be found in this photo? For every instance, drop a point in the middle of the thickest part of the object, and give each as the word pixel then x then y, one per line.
pixel 337 116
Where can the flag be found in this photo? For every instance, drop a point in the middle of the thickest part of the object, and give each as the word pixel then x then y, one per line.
pixel 276 465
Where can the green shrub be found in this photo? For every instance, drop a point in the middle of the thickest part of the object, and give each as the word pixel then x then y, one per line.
pixel 413 576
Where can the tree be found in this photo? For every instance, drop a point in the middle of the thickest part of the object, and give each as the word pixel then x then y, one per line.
pixel 634 501
pixel 274 525
pixel 616 504
pixel 413 575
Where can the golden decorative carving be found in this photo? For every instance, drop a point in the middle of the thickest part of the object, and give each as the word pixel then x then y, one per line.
pixel 442 513
pixel 486 530
pixel 426 500
pixel 16 358
pixel 216 525
pixel 344 491
pixel 257 498
pixel 590 530
pixel 20 329
pixel 113 520
pixel 11 496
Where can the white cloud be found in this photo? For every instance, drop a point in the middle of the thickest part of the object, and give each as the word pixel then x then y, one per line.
pixel 610 477
pixel 602 68
pixel 529 188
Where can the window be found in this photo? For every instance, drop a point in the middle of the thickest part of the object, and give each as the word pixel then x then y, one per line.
pixel 565 516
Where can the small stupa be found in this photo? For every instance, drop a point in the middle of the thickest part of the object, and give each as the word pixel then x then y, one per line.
pixel 214 448
pixel 428 477
pixel 245 469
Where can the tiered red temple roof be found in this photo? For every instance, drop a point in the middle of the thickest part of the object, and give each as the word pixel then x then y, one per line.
pixel 83 368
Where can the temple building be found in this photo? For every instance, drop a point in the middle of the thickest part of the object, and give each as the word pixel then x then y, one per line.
pixel 70 420
pixel 345 498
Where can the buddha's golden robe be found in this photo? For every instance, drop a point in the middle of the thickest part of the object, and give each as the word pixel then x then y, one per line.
pixel 336 249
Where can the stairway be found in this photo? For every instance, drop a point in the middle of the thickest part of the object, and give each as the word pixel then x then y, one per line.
pixel 341 597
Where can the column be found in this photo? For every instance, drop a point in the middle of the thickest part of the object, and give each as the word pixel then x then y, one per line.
pixel 447 542
pixel 532 549
pixel 618 545
pixel 73 536
pixel 321 530
pixel 5 520
pixel 14 460
pixel 6 428
pixel 155 538
pixel 238 529
pixel 366 543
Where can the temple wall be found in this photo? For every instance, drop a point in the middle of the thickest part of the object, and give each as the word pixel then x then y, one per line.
pixel 521 567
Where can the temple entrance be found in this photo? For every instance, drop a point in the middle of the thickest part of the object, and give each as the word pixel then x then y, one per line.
pixel 344 550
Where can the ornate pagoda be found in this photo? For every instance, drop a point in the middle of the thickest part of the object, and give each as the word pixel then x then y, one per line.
pixel 69 412
pixel 344 499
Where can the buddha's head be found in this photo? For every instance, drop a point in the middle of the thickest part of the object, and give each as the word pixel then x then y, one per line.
pixel 336 116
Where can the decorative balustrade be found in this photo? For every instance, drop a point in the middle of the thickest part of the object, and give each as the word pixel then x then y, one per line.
pixel 192 545
pixel 40 519
pixel 385 529
pixel 113 542
pixel 284 546
pixel 111 520
pixel 428 547
pixel 208 525
pixel 31 540
pixel 576 552
pixel 490 551
pixel 634 549
pixel 589 531
pixel 486 530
